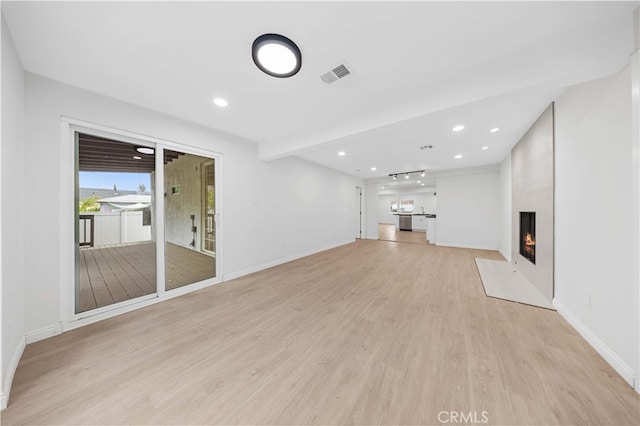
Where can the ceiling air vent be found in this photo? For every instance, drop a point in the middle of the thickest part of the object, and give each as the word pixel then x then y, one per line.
pixel 341 71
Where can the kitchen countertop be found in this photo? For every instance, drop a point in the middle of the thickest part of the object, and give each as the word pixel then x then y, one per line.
pixel 429 215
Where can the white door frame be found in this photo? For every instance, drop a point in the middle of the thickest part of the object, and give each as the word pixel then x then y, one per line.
pixel 68 127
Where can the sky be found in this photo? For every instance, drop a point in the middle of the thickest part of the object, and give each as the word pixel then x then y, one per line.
pixel 123 181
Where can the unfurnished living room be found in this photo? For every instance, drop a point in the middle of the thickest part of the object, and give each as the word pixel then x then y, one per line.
pixel 265 213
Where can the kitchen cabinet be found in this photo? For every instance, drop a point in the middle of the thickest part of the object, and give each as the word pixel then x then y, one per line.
pixel 419 223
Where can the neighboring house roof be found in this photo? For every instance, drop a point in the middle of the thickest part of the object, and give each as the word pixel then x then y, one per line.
pixel 127 198
pixel 85 193
pixel 136 206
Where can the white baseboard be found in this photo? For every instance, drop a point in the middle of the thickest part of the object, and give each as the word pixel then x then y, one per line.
pixel 467 246
pixel 43 333
pixel 605 351
pixel 253 269
pixel 11 371
pixel 507 256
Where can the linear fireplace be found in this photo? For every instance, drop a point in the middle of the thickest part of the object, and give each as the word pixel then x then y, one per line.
pixel 528 235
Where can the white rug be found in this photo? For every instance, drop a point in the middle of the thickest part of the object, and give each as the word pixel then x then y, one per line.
pixel 503 281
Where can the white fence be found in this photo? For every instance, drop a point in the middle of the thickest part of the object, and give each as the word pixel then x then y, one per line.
pixel 112 228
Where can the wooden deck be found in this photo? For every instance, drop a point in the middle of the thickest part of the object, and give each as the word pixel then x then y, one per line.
pixel 114 274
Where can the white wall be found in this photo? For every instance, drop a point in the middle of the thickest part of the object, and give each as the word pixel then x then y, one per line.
pixel 186 172
pixel 270 211
pixel 594 242
pixel 384 209
pixel 12 222
pixel 505 208
pixel 468 213
pixel 371 211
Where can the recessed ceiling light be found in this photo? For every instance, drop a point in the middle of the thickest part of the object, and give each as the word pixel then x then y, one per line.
pixel 276 55
pixel 484 147
pixel 458 128
pixel 221 102
pixel 373 169
pixel 342 153
pixel 458 156
pixel 495 129
pixel 137 157
pixel 423 173
pixel 406 176
pixel 422 184
pixel 418 181
pixel 145 150
pixel 382 187
pixel 395 177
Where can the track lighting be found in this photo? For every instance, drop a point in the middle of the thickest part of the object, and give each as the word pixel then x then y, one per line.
pixel 394 176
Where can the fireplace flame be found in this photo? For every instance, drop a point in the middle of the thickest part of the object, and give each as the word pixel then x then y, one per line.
pixel 529 244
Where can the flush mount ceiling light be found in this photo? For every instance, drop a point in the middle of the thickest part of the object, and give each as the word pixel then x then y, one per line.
pixel 458 156
pixel 342 153
pixel 423 173
pixel 137 157
pixel 373 169
pixel 495 129
pixel 394 177
pixel 220 102
pixel 458 128
pixel 145 150
pixel 406 176
pixel 276 55
pixel 484 148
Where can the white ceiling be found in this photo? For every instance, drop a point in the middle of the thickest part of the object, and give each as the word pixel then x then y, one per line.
pixel 418 69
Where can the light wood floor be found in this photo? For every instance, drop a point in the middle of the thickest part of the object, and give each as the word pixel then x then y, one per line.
pixel 113 274
pixel 388 233
pixel 373 332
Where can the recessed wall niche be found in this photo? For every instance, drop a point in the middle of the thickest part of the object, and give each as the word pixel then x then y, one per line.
pixel 532 177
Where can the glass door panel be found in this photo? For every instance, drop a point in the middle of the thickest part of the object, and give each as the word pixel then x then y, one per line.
pixel 115 238
pixel 190 228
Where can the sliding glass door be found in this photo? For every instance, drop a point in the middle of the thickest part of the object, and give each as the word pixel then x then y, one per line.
pixel 119 219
